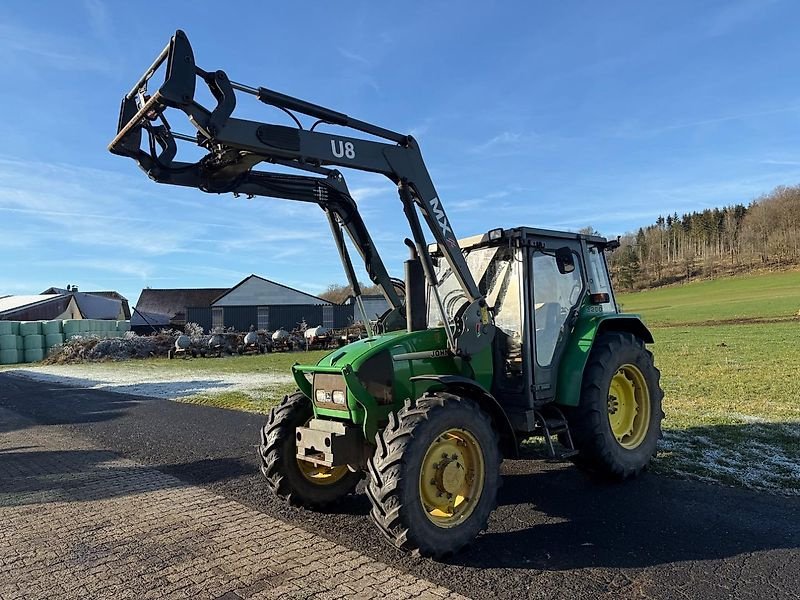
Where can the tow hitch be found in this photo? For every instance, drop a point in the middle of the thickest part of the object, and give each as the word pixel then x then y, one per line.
pixel 330 443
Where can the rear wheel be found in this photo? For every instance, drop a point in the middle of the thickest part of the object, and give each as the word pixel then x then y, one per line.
pixel 435 475
pixel 298 481
pixel 618 423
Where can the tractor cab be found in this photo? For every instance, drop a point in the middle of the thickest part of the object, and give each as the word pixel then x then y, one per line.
pixel 538 283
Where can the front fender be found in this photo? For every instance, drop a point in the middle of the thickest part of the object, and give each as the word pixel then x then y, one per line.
pixel 464 386
pixel 576 355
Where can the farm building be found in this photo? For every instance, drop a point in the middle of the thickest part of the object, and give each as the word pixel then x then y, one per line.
pixel 253 301
pixel 111 295
pixel 58 303
pixel 166 308
pixel 374 305
pixel 268 305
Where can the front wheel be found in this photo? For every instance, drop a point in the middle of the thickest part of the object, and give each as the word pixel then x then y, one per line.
pixel 435 474
pixel 617 424
pixel 298 481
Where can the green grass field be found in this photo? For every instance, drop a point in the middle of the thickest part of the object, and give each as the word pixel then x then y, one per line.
pixel 273 363
pixel 742 298
pixel 732 395
pixel 731 404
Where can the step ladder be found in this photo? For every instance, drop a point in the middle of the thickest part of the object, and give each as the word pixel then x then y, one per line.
pixel 550 422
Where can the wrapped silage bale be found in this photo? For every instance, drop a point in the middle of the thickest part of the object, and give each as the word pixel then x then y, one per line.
pixel 71 326
pixel 8 342
pixel 52 328
pixel 27 328
pixel 34 355
pixel 123 326
pixel 53 339
pixel 9 357
pixel 9 327
pixel 34 342
pixel 20 343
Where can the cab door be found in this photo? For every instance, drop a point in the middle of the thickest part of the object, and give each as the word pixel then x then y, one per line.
pixel 557 281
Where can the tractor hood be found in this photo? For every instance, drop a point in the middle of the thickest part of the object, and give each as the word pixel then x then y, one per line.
pixel 380 373
pixel 396 342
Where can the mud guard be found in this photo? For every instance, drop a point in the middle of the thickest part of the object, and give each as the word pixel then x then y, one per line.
pixel 576 355
pixel 469 387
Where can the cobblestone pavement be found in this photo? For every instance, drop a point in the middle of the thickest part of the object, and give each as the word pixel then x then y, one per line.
pixel 78 522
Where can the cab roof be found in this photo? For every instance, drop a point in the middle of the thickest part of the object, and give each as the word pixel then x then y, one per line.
pixel 495 236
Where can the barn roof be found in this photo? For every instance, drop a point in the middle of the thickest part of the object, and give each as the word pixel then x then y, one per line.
pixel 93 306
pixel 264 279
pixel 10 303
pixel 115 296
pixel 169 302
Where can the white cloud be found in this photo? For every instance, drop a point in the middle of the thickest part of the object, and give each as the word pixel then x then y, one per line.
pixel 502 142
pixel 355 57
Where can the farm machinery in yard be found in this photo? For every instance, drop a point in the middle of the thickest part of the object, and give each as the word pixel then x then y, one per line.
pixel 488 341
pixel 255 342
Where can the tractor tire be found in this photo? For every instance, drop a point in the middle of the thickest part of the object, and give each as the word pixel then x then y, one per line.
pixel 434 477
pixel 299 482
pixel 617 424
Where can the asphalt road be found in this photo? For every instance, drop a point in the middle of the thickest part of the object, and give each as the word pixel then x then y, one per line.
pixel 556 532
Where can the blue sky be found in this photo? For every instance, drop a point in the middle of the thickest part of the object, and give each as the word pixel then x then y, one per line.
pixel 529 113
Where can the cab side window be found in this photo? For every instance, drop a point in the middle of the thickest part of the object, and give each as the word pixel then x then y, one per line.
pixel 554 295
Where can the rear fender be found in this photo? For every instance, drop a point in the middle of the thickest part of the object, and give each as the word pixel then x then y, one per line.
pixel 469 388
pixel 576 355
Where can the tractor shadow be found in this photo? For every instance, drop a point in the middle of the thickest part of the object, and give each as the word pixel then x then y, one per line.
pixel 556 517
pixel 30 476
pixel 76 401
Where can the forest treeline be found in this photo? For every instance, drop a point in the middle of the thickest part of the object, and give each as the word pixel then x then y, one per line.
pixel 736 238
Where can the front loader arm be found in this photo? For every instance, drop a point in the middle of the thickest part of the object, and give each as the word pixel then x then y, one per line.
pixel 235 146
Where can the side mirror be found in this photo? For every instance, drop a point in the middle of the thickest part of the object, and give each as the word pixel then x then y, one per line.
pixel 565 260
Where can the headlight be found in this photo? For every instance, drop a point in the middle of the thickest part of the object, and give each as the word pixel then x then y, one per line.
pixel 330 391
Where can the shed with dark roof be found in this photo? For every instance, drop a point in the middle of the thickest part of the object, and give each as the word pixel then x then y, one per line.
pixel 165 308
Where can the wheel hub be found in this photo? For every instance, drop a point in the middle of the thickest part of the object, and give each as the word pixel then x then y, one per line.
pixel 320 475
pixel 629 406
pixel 451 477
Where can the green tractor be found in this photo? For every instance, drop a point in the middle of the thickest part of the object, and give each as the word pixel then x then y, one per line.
pixel 488 340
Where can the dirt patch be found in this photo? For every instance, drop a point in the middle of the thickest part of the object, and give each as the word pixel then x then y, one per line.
pixel 737 321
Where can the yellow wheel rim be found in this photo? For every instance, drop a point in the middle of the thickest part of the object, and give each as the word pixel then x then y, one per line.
pixel 319 475
pixel 451 478
pixel 629 406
